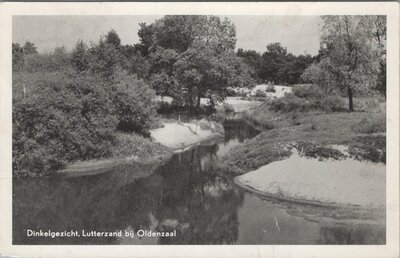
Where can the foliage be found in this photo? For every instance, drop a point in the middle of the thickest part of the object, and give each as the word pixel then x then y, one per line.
pixel 228 108
pixel 308 91
pixel 112 38
pixel 373 124
pixel 105 60
pixel 30 61
pixel 270 88
pixel 350 55
pixel 200 72
pixel 291 103
pixel 281 67
pixel 134 105
pixel 260 93
pixel 80 57
pixel 253 60
pixel 192 57
pixel 61 119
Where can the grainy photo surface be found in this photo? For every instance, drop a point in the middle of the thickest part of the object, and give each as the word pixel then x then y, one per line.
pixel 198 129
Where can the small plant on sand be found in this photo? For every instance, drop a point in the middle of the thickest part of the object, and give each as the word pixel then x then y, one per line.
pixel 228 108
pixel 270 88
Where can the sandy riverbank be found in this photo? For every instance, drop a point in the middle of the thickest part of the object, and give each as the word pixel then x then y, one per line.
pixel 178 136
pixel 329 182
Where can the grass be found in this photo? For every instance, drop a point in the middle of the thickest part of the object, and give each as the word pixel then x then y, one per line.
pixel 134 145
pixel 312 130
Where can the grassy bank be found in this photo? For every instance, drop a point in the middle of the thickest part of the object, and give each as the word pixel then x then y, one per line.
pixel 313 127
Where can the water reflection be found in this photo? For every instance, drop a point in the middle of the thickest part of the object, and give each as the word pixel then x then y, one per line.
pixel 183 195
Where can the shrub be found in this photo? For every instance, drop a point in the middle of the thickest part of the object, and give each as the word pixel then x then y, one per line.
pixel 134 105
pixel 308 91
pixel 331 103
pixel 289 103
pixel 371 125
pixel 259 93
pixel 228 108
pixel 62 119
pixel 270 88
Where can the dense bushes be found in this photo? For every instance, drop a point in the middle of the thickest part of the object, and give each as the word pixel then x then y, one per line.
pixel 134 105
pixel 308 91
pixel 60 119
pixel 307 98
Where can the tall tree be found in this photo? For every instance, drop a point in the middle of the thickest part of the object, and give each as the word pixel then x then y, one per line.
pixel 351 55
pixel 379 32
pixel 253 60
pixel 273 60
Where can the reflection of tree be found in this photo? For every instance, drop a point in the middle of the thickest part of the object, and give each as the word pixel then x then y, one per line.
pixel 237 129
pixel 353 234
pixel 204 205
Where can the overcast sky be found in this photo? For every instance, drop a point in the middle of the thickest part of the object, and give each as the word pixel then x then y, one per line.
pixel 298 33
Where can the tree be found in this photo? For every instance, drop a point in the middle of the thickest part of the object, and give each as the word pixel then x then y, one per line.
pixel 29 48
pixel 379 32
pixel 105 59
pixel 112 38
pixel 273 60
pixel 17 56
pixel 202 73
pixel 134 105
pixel 253 60
pixel 80 57
pixel 192 56
pixel 350 54
pixel 179 32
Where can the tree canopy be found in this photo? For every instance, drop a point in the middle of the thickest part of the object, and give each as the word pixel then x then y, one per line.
pixel 351 52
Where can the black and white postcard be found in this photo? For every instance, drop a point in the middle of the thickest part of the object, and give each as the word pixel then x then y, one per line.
pixel 199 129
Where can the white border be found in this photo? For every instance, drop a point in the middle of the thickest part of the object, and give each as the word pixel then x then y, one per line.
pixel 391 9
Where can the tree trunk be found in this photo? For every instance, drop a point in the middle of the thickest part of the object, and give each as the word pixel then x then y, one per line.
pixel 350 94
pixel 198 103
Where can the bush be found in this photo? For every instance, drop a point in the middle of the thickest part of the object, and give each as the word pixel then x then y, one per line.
pixel 331 104
pixel 270 88
pixel 228 108
pixel 289 103
pixel 259 93
pixel 134 105
pixel 308 92
pixel 60 119
pixel 371 125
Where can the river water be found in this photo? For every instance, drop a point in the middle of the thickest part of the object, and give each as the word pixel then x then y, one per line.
pixel 184 196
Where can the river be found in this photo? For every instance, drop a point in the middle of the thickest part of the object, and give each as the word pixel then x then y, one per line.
pixel 185 196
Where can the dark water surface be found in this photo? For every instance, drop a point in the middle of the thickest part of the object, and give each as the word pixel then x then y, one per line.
pixel 184 196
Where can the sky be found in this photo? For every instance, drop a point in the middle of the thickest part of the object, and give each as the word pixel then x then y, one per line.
pixel 299 34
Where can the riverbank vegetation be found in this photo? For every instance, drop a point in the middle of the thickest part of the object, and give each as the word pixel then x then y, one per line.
pixel 76 105
pixel 99 101
pixel 344 106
